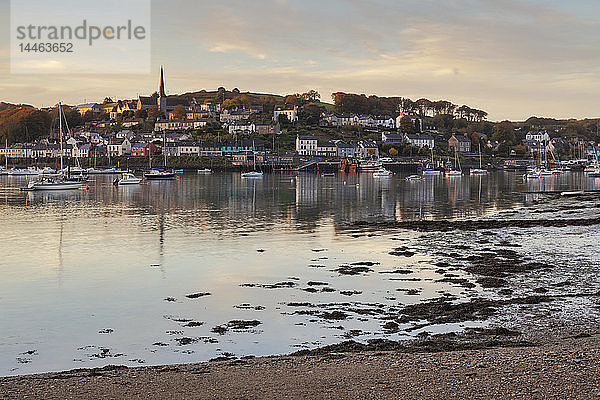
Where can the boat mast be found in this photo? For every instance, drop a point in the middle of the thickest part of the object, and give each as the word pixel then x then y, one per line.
pixel 60 135
pixel 480 162
pixel 165 149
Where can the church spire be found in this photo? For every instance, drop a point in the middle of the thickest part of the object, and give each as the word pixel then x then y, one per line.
pixel 161 88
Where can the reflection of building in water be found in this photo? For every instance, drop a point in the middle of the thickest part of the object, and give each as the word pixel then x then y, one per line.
pixel 307 188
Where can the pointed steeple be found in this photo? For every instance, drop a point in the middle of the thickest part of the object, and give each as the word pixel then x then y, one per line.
pixel 161 88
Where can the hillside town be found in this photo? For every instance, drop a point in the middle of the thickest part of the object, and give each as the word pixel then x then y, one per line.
pixel 244 128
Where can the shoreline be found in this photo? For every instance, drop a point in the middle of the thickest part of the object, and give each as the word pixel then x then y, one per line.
pixel 559 368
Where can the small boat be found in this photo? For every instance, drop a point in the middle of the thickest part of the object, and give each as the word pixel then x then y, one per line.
pixel 127 179
pixel 478 171
pixel 178 171
pixel 52 183
pixel 431 172
pixel 369 165
pixel 327 174
pixel 106 171
pixel 453 173
pixel 3 171
pixel 382 173
pixel 156 175
pixel 573 193
pixel 24 171
pixel 204 171
pixel 413 178
pixel 48 171
pixel 59 182
pixel 252 174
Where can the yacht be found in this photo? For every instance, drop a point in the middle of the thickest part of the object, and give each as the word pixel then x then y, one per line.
pixel 480 170
pixel 157 174
pixel 252 174
pixel 127 179
pixel 160 174
pixel 382 173
pixel 59 182
pixel 24 171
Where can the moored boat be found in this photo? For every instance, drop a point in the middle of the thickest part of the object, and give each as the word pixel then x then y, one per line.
pixel 127 179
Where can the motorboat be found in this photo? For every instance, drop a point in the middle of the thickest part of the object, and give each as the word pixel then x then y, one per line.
pixel 382 173
pixel 252 174
pixel 478 171
pixel 454 173
pixel 157 174
pixel 47 171
pixel 369 165
pixel 24 171
pixel 327 174
pixel 127 179
pixel 573 193
pixel 106 171
pixel 53 183
pixel 178 171
pixel 431 172
pixel 413 178
pixel 205 171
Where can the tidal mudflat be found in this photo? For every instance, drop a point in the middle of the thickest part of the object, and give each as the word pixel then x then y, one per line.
pixel 220 268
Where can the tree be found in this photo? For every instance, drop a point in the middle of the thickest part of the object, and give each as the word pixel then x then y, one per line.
pixel 179 112
pixel 154 112
pixel 220 97
pixel 505 132
pixel 406 125
pixel 108 100
pixel 128 114
pixel 142 113
pixel 294 99
pixel 283 120
pixel 310 96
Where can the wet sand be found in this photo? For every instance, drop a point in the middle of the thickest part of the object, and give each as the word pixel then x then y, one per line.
pixel 567 368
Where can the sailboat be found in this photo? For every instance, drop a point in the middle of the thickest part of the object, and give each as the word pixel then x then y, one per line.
pixel 456 171
pixel 480 170
pixel 431 171
pixel 159 174
pixel 255 173
pixel 59 182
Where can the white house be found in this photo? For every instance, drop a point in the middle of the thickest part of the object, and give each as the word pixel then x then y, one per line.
pixel 538 136
pixel 119 147
pixel 291 112
pixel 420 140
pixel 306 145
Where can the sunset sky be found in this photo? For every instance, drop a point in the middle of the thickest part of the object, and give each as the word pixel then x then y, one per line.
pixel 511 58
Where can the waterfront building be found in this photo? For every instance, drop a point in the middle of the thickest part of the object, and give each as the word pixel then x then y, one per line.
pixel 306 145
pixel 459 143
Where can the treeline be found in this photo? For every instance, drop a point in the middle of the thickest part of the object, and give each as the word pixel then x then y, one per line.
pixel 374 105
pixel 21 123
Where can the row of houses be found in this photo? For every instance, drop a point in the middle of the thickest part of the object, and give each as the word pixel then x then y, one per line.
pixel 338 120
pixel 458 143
pixel 310 146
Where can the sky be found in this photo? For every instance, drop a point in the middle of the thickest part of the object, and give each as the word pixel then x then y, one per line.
pixel 511 58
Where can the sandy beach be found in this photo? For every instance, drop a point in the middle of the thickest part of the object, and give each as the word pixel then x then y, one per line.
pixel 568 368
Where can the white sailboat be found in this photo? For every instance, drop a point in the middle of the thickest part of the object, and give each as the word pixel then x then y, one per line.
pixel 456 172
pixel 159 174
pixel 59 182
pixel 255 173
pixel 480 170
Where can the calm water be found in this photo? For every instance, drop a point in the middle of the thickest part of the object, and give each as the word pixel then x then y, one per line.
pixel 98 277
